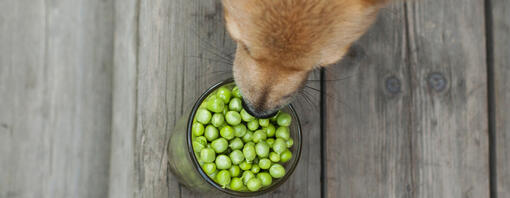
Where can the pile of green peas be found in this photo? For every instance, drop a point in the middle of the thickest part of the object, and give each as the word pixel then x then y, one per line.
pixel 235 149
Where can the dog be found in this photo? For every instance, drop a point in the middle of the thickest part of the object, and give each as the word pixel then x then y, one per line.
pixel 279 42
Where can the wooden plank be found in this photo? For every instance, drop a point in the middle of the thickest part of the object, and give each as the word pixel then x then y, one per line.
pixel 501 41
pixel 367 114
pixel 426 140
pixel 449 123
pixel 55 98
pixel 167 54
pixel 124 99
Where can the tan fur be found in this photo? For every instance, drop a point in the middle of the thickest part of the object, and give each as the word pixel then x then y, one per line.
pixel 281 41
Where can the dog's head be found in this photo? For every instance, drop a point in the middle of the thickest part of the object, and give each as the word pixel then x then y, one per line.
pixel 280 41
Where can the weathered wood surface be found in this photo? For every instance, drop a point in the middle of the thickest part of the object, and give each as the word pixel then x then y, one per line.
pixel 501 54
pixel 167 54
pixel 450 141
pixel 399 132
pixel 367 136
pixel 392 130
pixel 55 97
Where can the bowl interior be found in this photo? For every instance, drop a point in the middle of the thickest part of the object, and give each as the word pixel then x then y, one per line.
pixel 295 133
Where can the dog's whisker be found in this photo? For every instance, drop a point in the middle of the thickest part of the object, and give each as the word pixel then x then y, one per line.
pixel 212 59
pixel 329 96
pixel 312 103
pixel 304 98
pixel 332 80
pixel 212 48
pixel 218 55
pixel 312 88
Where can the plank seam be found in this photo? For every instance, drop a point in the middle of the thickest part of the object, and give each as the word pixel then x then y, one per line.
pixel 137 38
pixel 322 115
pixel 408 64
pixel 491 99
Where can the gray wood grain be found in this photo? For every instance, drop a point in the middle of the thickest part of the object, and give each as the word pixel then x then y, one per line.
pixel 166 54
pixel 419 142
pixel 450 127
pixel 124 98
pixel 501 30
pixel 55 97
pixel 367 137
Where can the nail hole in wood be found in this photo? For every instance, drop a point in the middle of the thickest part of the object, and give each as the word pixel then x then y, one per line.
pixel 393 85
pixel 437 81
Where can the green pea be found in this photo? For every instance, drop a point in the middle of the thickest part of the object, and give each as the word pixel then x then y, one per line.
pixel 247 175
pixel 273 119
pixel 250 143
pixel 259 135
pixel 215 105
pixel 283 132
pixel 253 125
pixel 236 144
pixel 284 119
pixel 207 155
pixel 245 165
pixel 197 129
pixel 203 105
pixel 270 142
pixel 289 142
pixel 285 156
pixel 254 184
pixel 277 171
pixel 265 178
pixel 225 110
pixel 236 92
pixel 209 168
pixel 235 171
pixel 213 175
pixel 246 116
pixel 224 93
pixel 255 168
pixel 223 162
pixel 240 130
pixel 274 157
pixel 223 178
pixel 249 153
pixel 264 122
pixel 236 184
pixel 248 136
pixel 237 157
pixel 227 132
pixel 279 145
pixel 211 133
pixel 264 163
pixel 219 145
pixel 201 139
pixel 262 149
pixel 235 104
pixel 197 146
pixel 217 120
pixel 270 130
pixel 233 118
pixel 203 116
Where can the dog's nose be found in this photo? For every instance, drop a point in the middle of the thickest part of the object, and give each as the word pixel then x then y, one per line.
pixel 258 114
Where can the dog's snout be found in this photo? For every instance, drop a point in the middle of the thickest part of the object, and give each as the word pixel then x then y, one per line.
pixel 257 112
